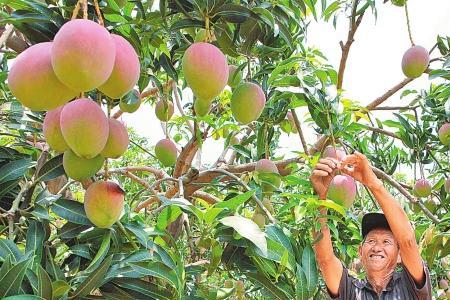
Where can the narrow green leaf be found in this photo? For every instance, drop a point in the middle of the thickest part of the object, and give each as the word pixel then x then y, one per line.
pixel 236 201
pixel 44 284
pixel 60 288
pixel 93 281
pixel 7 247
pixel 15 169
pixel 102 252
pixel 310 269
pixel 35 239
pixel 72 211
pixel 272 289
pixel 51 169
pixel 11 282
pixel 301 284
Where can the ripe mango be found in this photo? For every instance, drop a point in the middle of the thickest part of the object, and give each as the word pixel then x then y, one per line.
pixel 118 140
pixel 52 130
pixel 79 168
pixel 247 102
pixel 166 152
pixel 415 61
pixel 342 190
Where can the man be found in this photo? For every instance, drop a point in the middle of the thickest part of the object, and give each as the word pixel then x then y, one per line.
pixel 388 239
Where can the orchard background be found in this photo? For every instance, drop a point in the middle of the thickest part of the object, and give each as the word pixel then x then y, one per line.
pixel 186 230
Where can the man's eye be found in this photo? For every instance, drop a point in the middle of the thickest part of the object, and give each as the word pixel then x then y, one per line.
pixel 387 242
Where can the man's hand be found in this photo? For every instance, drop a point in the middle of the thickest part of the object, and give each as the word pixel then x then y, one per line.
pixel 357 166
pixel 322 175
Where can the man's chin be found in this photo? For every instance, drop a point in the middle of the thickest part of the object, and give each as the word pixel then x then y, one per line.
pixel 375 266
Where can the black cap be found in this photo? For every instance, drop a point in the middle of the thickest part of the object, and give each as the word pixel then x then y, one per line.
pixel 372 221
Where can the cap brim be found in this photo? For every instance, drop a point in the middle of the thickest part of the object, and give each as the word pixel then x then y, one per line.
pixel 372 221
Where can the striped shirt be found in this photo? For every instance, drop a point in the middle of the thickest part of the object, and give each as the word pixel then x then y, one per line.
pixel 400 287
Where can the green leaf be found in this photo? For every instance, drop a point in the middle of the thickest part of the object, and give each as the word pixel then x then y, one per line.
pixel 72 211
pixel 102 252
pixel 44 284
pixel 156 269
pixel 145 288
pixel 24 297
pixel 11 282
pixel 51 169
pixel 15 169
pixel 301 285
pixel 248 229
pixel 60 288
pixel 167 216
pixel 310 269
pixel 7 247
pixel 274 292
pixel 35 239
pixel 93 281
pixel 236 201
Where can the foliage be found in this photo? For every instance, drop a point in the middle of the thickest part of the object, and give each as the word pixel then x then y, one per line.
pixel 183 245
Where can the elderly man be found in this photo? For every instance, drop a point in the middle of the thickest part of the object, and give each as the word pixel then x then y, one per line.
pixel 388 239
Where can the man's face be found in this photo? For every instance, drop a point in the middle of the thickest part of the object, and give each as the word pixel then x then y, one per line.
pixel 379 251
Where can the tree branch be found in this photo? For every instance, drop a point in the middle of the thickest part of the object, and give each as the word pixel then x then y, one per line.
pixel 405 193
pixel 346 48
pixel 211 199
pixel 388 94
pixel 300 131
pixel 180 107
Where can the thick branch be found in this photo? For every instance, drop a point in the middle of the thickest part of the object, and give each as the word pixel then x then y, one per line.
pixel 211 199
pixel 12 41
pixel 346 48
pixel 405 193
pixel 180 107
pixel 300 131
pixel 388 94
pixel 158 173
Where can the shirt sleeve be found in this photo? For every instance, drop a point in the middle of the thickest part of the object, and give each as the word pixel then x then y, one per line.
pixel 346 287
pixel 422 292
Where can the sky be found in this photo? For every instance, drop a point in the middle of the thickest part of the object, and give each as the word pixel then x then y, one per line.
pixel 373 65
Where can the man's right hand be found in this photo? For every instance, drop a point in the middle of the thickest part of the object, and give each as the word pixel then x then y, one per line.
pixel 322 175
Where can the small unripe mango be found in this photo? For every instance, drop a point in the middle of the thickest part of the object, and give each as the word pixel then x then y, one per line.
pixel 34 83
pixel 52 130
pixel 83 54
pixel 398 2
pixel 234 77
pixel 130 102
pixel 247 102
pixel 415 61
pixel 84 127
pixel 103 203
pixel 118 140
pixel 447 185
pixel 201 107
pixel 342 190
pixel 259 219
pixel 125 73
pixel 205 69
pixel 164 110
pixel 79 168
pixel 444 134
pixel 422 188
pixel 269 175
pixel 330 152
pixel 166 152
pixel 443 284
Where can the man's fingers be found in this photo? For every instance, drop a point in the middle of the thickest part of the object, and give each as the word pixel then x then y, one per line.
pixel 320 173
pixel 324 167
pixel 332 163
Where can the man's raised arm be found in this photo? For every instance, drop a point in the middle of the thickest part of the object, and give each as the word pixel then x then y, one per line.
pixel 357 166
pixel 330 266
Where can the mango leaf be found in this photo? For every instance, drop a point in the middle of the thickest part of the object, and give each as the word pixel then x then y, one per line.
pixel 145 288
pixel 24 297
pixel 35 239
pixel 102 252
pixel 301 284
pixel 273 291
pixel 236 201
pixel 310 269
pixel 51 169
pixel 60 288
pixel 15 169
pixel 156 269
pixel 93 281
pixel 248 229
pixel 44 288
pixel 8 248
pixel 11 281
pixel 71 211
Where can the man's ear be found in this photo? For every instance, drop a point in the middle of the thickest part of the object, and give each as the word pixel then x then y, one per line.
pixel 360 251
pixel 399 259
